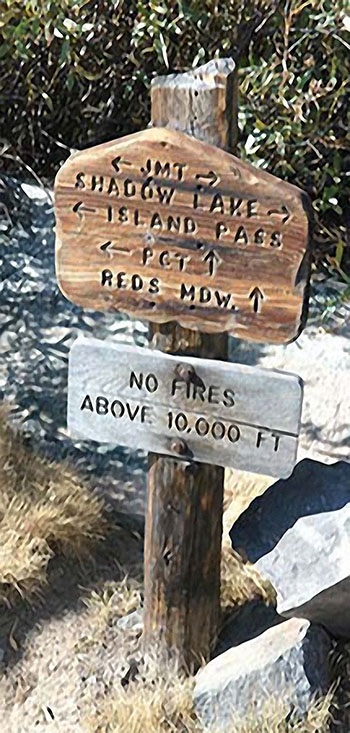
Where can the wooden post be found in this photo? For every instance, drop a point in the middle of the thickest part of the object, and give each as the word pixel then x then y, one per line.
pixel 184 505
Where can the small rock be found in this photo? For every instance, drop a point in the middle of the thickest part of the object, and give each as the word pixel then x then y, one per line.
pixel 132 622
pixel 287 663
pixel 298 535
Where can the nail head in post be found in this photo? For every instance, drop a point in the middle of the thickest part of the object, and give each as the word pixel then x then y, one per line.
pixel 179 446
pixel 185 371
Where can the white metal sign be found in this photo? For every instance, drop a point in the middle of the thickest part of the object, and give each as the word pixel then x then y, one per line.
pixel 210 411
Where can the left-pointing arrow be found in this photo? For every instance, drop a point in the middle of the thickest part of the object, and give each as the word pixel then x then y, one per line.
pixel 110 250
pixel 79 208
pixel 117 162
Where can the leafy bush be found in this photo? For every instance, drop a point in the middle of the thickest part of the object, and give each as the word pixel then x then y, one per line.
pixel 77 72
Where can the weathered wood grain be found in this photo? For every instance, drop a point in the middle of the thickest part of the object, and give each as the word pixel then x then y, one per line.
pixel 182 587
pixel 165 227
pixel 209 411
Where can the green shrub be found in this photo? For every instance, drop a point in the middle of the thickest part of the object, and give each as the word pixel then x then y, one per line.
pixel 77 72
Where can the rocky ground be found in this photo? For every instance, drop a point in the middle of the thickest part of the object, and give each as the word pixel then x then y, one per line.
pixel 69 649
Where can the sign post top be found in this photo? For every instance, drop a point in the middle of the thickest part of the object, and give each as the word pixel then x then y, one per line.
pixel 162 226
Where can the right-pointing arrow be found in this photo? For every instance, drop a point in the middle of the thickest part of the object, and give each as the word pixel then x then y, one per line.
pixel 258 297
pixel 283 212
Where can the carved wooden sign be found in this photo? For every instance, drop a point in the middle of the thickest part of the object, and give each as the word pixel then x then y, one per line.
pixel 164 227
pixel 210 411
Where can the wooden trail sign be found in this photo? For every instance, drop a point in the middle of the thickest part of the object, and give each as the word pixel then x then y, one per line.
pixel 210 411
pixel 165 227
pixel 168 228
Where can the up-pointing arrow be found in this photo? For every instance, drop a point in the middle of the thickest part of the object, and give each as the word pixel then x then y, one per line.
pixel 258 298
pixel 213 260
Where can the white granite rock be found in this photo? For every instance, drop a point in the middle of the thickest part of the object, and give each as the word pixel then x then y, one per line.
pixel 287 663
pixel 298 535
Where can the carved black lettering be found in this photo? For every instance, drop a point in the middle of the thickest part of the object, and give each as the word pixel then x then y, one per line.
pixel 156 222
pixel 165 194
pixel 137 217
pixel 147 190
pixel 129 188
pixel 151 383
pixel 259 438
pixel 113 186
pixel 106 277
pixel 276 239
pixel 233 434
pixel 79 180
pixel 146 169
pixel 161 169
pixel 222 300
pixel 181 421
pixel 202 427
pixel 109 213
pixel 136 283
pixel 147 254
pixel 164 259
pixel 190 225
pixel 101 405
pixel 187 292
pixel 218 430
pixel 198 390
pixel 220 229
pixel 196 204
pixel 117 405
pixel 182 260
pixel 241 236
pixel 123 215
pixel 173 223
pixel 132 412
pixel 97 182
pixel 146 412
pixel 235 206
pixel 136 380
pixel 180 170
pixel 259 236
pixel 217 203
pixel 212 397
pixel 175 385
pixel 251 208
pixel 153 286
pixel 228 400
pixel 87 404
pixel 204 295
pixel 121 284
pixel 277 441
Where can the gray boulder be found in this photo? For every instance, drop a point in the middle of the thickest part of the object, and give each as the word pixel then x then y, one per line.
pixel 287 663
pixel 298 535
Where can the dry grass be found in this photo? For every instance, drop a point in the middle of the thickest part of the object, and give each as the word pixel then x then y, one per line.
pixel 44 508
pixel 240 582
pixel 115 600
pixel 160 701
